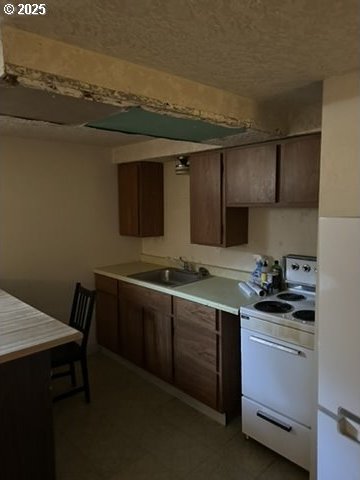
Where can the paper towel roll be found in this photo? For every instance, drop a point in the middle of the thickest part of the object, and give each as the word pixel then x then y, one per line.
pixel 258 290
pixel 246 289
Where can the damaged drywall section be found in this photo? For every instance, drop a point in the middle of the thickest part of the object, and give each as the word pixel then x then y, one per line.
pixel 41 62
pixel 18 75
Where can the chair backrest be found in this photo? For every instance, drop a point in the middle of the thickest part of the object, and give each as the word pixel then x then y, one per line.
pixel 81 311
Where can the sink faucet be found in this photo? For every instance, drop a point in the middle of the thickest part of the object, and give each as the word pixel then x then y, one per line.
pixel 186 265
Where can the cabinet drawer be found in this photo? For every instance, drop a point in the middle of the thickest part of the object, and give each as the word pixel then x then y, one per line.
pixel 197 381
pixel 197 345
pixel 106 284
pixel 196 313
pixel 264 425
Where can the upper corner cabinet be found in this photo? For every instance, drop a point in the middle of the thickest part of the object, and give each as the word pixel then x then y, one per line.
pixel 141 199
pixel 250 175
pixel 299 171
pixel 211 222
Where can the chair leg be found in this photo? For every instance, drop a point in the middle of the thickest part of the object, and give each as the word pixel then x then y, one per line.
pixel 73 374
pixel 85 378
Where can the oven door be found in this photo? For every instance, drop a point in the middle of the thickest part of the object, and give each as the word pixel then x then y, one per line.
pixel 278 375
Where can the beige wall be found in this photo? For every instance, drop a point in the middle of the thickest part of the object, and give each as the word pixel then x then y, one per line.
pixel 58 220
pixel 272 231
pixel 340 147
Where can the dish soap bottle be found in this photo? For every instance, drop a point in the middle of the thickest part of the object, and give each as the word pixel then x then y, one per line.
pixel 256 274
pixel 277 276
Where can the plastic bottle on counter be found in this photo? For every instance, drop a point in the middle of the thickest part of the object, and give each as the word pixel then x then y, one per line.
pixel 256 274
pixel 277 276
pixel 264 271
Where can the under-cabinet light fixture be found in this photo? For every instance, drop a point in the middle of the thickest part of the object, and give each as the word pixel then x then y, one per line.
pixel 182 166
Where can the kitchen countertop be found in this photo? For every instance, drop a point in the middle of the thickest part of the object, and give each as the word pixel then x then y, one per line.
pixel 24 330
pixel 216 292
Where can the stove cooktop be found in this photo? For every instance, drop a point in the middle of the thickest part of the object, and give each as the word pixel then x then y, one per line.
pixel 272 306
pixel 291 308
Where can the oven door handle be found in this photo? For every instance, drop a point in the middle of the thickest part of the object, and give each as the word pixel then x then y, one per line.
pixel 274 421
pixel 278 346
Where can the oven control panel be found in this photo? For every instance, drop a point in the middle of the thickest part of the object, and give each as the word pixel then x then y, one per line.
pixel 301 270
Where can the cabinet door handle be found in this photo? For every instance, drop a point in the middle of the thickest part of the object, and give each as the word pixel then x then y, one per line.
pixel 345 427
pixel 274 421
pixel 278 346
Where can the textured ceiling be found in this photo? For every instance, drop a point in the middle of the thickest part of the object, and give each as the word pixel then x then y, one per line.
pixel 255 48
pixel 17 127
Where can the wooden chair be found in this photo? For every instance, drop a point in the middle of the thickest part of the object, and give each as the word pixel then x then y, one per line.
pixel 80 318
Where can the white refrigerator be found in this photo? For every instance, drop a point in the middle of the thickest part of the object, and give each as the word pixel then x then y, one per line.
pixel 338 309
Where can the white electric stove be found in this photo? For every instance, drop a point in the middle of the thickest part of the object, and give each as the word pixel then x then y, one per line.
pixel 277 364
pixel 295 306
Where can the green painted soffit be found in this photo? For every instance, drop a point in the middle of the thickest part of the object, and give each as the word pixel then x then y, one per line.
pixel 139 121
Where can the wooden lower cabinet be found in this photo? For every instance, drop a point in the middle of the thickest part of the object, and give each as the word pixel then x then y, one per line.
pixel 131 330
pixel 107 320
pixel 207 355
pixel 196 380
pixel 194 347
pixel 195 343
pixel 158 344
pixel 107 313
pixel 145 326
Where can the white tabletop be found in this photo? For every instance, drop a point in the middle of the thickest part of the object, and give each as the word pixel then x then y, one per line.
pixel 24 330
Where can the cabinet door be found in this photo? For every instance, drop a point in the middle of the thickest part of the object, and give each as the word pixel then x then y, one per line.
pixel 107 312
pixel 107 320
pixel 196 361
pixel 250 175
pixel 128 186
pixel 158 344
pixel 299 171
pixel 151 199
pixel 205 199
pixel 198 344
pixel 141 199
pixel 196 380
pixel 131 330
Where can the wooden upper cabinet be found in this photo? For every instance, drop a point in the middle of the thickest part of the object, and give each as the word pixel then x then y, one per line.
pixel 300 171
pixel 250 175
pixel 211 223
pixel 141 199
pixel 205 199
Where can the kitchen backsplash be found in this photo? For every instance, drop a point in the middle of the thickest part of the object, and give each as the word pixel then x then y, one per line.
pixel 213 269
pixel 273 232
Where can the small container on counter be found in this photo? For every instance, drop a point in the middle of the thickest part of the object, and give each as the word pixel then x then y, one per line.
pixel 264 272
pixel 277 276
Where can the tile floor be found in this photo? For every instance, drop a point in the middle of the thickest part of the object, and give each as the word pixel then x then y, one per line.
pixel 133 430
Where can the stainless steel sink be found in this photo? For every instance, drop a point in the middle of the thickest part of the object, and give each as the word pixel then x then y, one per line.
pixel 169 277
